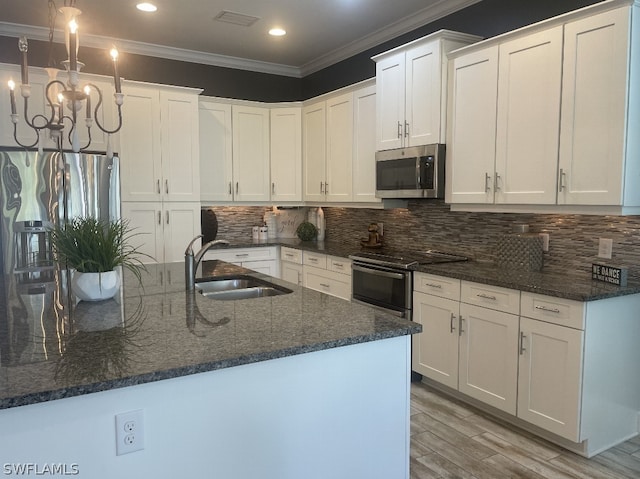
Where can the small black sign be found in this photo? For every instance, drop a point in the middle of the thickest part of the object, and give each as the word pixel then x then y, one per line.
pixel 609 274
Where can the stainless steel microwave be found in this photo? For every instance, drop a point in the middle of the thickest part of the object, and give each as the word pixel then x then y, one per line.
pixel 414 172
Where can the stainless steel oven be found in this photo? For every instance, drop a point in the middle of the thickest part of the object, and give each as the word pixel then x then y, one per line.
pixel 385 281
pixel 387 288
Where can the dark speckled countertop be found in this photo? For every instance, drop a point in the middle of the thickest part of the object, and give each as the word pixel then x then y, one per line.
pixel 578 287
pixel 160 332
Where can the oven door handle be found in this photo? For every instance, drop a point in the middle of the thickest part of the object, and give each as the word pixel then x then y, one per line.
pixel 379 272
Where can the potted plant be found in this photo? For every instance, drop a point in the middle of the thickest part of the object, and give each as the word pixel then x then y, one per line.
pixel 95 249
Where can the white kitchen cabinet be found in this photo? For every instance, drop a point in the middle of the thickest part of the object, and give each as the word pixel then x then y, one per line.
pixel 565 113
pixel 162 230
pixel 216 160
pixel 262 259
pixel 435 349
pixel 504 136
pixel 286 154
pixel 528 118
pixel 598 139
pixel 364 145
pixel 411 90
pixel 250 153
pixel 550 377
pixel 488 363
pixel 471 142
pixel 328 274
pixel 314 147
pixel 159 144
pixel 328 149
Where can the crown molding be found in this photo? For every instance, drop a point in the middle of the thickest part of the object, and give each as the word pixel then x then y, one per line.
pixel 159 51
pixel 389 32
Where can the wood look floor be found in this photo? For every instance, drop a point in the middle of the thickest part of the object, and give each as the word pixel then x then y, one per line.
pixel 450 439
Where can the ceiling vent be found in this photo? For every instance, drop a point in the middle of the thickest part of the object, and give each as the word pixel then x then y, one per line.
pixel 236 18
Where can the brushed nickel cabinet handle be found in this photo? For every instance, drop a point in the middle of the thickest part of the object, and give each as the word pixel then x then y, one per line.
pixel 167 215
pixel 432 285
pixel 230 189
pixel 487 179
pixel 326 188
pixel 486 296
pixel 522 348
pixel 237 186
pixel 161 279
pixel 321 187
pixel 158 185
pixel 399 130
pixel 273 188
pixel 406 129
pixel 159 217
pixel 460 330
pixel 548 310
pixel 561 177
pixel 325 285
pixel 452 324
pixel 242 255
pixel 496 185
pixel 166 186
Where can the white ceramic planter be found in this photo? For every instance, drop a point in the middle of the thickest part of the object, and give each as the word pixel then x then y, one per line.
pixel 95 286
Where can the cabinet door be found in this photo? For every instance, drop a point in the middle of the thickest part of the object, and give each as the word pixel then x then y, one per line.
pixel 338 184
pixel 489 356
pixel 528 118
pixel 286 154
pixel 423 95
pixel 180 149
pixel 594 102
pixel 216 172
pixel 314 146
pixel 291 272
pixel 181 225
pixel 435 349
pixel 251 153
pixel 549 382
pixel 140 162
pixel 390 101
pixel 334 284
pixel 471 145
pixel 146 221
pixel 364 145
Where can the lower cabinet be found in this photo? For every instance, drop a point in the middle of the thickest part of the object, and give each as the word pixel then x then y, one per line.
pixel 328 274
pixel 263 259
pixel 291 265
pixel 549 362
pixel 162 230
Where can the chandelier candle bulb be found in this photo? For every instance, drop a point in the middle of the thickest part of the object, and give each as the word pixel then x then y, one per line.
pixel 73 48
pixel 12 95
pixel 116 76
pixel 23 46
pixel 87 91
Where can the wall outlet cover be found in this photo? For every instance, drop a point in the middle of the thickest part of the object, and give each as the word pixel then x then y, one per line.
pixel 129 432
pixel 605 248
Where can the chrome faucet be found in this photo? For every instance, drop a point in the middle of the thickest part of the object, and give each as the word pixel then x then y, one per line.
pixel 191 260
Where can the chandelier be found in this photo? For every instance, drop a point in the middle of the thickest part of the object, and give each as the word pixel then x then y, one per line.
pixel 67 104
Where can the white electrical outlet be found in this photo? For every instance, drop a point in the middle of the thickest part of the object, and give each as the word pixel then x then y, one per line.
pixel 545 241
pixel 129 432
pixel 605 248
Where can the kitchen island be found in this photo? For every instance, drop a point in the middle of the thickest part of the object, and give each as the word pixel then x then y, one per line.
pixel 298 385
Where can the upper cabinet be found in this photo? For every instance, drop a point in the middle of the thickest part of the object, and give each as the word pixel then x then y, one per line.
pixel 286 154
pixel 411 90
pixel 159 144
pixel 364 145
pixel 542 116
pixel 216 161
pixel 250 153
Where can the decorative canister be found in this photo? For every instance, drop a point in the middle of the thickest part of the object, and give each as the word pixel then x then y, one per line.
pixel 520 250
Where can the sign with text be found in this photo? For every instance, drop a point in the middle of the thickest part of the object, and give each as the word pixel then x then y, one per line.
pixel 609 274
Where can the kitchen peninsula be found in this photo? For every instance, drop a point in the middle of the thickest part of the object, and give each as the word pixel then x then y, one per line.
pixel 297 385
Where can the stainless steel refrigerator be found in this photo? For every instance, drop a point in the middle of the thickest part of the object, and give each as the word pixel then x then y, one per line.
pixel 38 191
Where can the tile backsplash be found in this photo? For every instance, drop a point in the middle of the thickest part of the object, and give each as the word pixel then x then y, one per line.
pixel 425 224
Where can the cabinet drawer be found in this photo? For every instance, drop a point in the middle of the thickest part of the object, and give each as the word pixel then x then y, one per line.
pixel 339 265
pixel 314 259
pixel 239 255
pixel 290 254
pixel 335 284
pixel 437 285
pixel 493 297
pixel 564 312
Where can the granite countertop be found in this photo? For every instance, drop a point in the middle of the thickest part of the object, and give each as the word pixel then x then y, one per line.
pixel 575 286
pixel 159 331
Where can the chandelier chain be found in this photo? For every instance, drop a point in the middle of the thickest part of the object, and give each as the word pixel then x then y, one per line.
pixel 53 13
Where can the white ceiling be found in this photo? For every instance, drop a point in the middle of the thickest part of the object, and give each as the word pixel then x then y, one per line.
pixel 319 32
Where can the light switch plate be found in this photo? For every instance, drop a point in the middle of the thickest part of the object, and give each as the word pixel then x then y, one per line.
pixel 605 248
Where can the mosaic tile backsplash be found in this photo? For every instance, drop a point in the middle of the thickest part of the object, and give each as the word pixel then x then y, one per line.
pixel 429 224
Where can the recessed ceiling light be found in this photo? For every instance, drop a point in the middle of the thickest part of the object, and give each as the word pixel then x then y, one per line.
pixel 277 32
pixel 146 7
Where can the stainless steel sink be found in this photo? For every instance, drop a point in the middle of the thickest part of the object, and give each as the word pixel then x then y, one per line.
pixel 229 288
